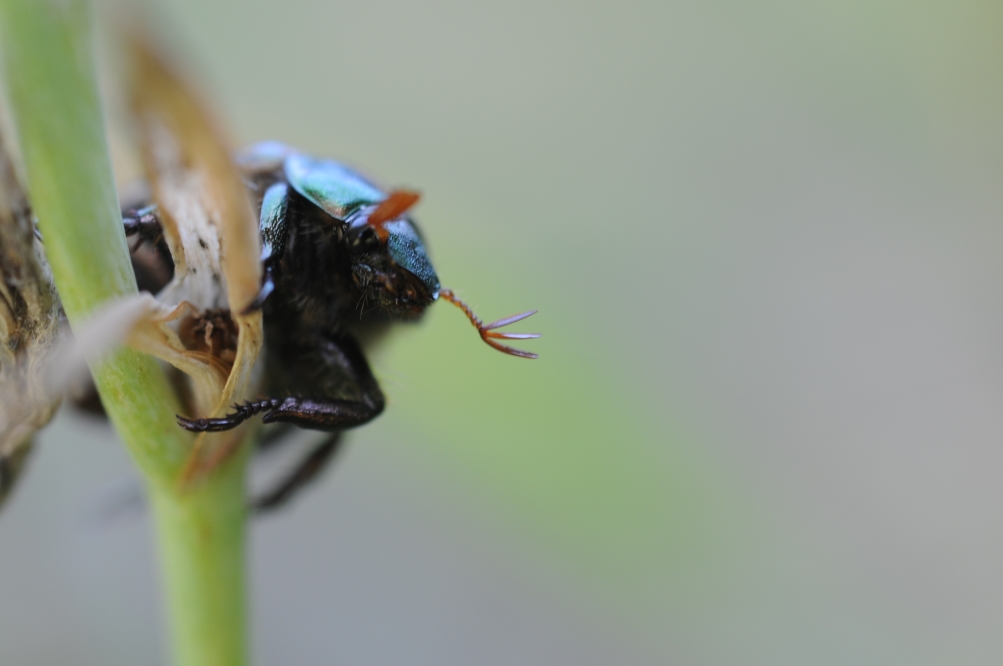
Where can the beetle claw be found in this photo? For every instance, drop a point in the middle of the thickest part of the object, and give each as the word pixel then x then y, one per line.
pixel 192 425
pixel 487 332
pixel 203 425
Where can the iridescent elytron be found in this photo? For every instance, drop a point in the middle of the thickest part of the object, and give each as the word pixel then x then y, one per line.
pixel 342 260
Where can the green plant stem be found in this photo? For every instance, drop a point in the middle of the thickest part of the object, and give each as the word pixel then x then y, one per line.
pixel 202 555
pixel 52 88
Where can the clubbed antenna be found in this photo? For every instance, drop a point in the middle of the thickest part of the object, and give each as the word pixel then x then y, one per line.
pixel 487 331
pixel 396 204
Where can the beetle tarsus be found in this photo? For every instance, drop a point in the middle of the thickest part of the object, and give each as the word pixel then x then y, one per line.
pixel 240 414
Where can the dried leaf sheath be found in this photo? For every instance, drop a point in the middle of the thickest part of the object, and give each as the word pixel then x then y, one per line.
pixel 30 317
pixel 210 228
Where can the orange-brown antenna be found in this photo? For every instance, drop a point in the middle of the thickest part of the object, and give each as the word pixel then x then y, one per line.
pixel 396 204
pixel 487 331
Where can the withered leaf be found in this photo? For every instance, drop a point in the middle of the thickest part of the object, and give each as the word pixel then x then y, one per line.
pixel 211 230
pixel 30 319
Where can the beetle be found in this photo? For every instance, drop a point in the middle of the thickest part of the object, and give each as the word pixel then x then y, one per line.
pixel 342 260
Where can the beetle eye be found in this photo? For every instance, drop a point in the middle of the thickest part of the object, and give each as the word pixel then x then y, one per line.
pixel 368 236
pixel 396 204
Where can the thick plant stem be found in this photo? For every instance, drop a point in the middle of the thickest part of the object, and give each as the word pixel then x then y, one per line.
pixel 52 88
pixel 202 551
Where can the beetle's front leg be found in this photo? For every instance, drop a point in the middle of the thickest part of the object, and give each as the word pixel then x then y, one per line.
pixel 274 229
pixel 325 414
pixel 240 413
pixel 333 389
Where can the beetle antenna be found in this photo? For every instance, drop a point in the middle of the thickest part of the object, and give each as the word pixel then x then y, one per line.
pixel 396 204
pixel 488 332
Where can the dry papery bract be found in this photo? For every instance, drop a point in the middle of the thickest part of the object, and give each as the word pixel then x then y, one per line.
pixel 30 326
pixel 212 233
pixel 198 323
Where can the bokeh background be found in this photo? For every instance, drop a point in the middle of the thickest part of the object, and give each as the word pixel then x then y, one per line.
pixel 766 424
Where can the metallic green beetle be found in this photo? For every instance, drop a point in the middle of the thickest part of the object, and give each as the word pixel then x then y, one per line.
pixel 342 260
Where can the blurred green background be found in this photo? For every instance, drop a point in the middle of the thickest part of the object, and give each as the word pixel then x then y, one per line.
pixel 765 427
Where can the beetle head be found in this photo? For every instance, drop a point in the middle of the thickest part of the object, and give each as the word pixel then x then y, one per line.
pixel 389 262
pixel 392 268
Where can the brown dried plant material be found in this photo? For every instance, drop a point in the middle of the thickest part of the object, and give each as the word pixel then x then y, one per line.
pixel 213 333
pixel 212 232
pixel 30 319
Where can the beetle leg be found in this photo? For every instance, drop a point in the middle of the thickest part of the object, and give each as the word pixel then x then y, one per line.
pixel 335 389
pixel 273 229
pixel 241 413
pixel 324 413
pixel 143 223
pixel 151 257
pixel 267 287
pixel 302 475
